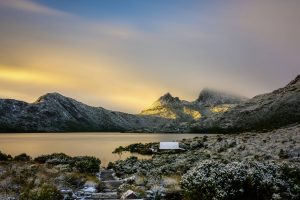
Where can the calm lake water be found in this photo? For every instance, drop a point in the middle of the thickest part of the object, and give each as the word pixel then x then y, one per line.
pixel 99 145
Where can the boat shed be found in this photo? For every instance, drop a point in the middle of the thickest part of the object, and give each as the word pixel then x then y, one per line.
pixel 169 146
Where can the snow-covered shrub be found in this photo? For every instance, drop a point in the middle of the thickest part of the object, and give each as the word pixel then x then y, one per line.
pixel 54 159
pixel 236 180
pixel 45 192
pixel 86 164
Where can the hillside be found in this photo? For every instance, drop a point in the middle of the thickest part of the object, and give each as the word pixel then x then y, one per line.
pixel 262 112
pixel 208 103
pixel 54 112
pixel 212 111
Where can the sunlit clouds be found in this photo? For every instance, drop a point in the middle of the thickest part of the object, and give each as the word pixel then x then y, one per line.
pixel 123 55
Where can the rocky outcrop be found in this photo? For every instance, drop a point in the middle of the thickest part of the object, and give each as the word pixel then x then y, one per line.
pixel 208 103
pixel 171 107
pixel 263 112
pixel 54 112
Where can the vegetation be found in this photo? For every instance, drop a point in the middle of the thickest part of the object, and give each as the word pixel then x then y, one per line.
pixel 238 180
pixel 45 192
pixel 22 157
pixel 5 157
pixel 232 166
pixel 84 164
pixel 43 177
pixel 143 149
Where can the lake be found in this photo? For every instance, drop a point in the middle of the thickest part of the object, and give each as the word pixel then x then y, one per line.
pixel 99 145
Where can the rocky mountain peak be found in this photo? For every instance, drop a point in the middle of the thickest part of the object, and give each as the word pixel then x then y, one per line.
pixel 49 97
pixel 168 98
pixel 213 97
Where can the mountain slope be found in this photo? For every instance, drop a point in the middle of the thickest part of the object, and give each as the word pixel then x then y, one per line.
pixel 213 111
pixel 267 111
pixel 208 103
pixel 171 107
pixel 54 112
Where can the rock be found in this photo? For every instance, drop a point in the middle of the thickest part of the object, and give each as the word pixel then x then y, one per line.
pixel 108 195
pixel 129 194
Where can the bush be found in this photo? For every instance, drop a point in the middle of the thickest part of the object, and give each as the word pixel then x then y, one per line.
pixel 75 180
pixel 45 192
pixel 55 159
pixel 86 164
pixel 22 157
pixel 283 154
pixel 5 157
pixel 246 180
pixel 143 149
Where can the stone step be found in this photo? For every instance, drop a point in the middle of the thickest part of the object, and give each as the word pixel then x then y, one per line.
pixel 112 184
pixel 107 175
pixel 107 195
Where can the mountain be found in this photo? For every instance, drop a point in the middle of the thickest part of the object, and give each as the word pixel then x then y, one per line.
pixel 54 112
pixel 208 103
pixel 267 111
pixel 171 107
pixel 212 111
pixel 211 97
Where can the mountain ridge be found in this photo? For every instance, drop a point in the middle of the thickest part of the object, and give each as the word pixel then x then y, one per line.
pixel 208 102
pixel 262 112
pixel 212 111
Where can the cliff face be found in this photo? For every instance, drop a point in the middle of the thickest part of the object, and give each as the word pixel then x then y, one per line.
pixel 267 111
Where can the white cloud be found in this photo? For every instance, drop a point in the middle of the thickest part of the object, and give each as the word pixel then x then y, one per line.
pixel 32 7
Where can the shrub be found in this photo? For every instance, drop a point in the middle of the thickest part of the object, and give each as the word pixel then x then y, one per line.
pixel 55 159
pixel 5 157
pixel 245 180
pixel 45 192
pixel 22 157
pixel 144 149
pixel 75 180
pixel 110 165
pixel 86 164
pixel 283 154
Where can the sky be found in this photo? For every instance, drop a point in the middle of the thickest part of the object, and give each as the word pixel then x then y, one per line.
pixel 124 54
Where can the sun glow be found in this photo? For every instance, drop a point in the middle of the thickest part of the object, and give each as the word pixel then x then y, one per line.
pixel 28 75
pixel 193 113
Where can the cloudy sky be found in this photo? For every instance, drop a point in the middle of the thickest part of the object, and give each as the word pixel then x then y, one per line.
pixel 124 54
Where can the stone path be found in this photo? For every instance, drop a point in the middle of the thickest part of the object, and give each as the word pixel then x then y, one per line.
pixel 111 184
pixel 110 191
